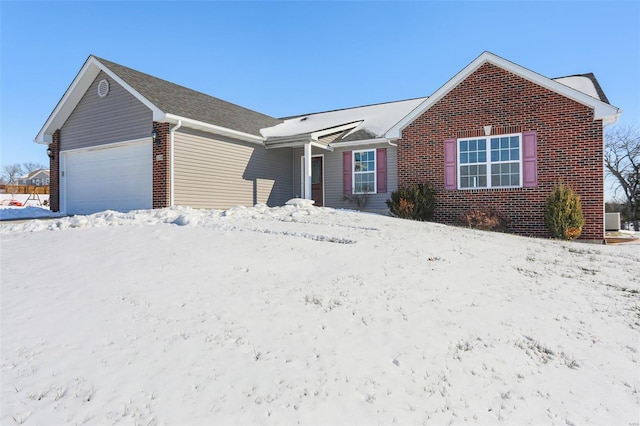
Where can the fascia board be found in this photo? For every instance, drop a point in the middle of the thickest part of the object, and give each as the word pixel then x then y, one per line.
pixel 301 138
pixel 157 113
pixel 601 109
pixel 76 91
pixel 289 142
pixel 321 146
pixel 210 128
pixel 296 141
pixel 299 144
pixel 277 145
pixel 363 142
pixel 68 102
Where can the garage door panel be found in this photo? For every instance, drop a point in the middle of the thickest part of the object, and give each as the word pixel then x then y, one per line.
pixel 118 178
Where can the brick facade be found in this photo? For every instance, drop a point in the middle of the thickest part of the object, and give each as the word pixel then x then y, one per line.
pixel 54 173
pixel 161 166
pixel 569 143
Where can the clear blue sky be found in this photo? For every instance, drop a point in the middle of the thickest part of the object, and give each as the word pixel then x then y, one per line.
pixel 286 58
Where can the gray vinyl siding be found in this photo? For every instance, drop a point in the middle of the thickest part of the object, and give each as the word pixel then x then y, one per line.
pixel 117 117
pixel 333 186
pixel 216 172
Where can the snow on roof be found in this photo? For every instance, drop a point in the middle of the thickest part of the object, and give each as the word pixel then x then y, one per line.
pixel 372 120
pixel 33 173
pixel 581 83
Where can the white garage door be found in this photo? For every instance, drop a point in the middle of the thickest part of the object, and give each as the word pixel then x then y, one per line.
pixel 114 178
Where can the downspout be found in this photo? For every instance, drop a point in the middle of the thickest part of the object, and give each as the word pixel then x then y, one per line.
pixel 171 162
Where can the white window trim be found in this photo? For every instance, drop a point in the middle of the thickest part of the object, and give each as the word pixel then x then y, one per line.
pixel 375 171
pixel 488 162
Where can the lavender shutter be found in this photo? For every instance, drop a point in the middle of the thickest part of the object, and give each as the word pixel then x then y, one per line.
pixel 381 170
pixel 529 159
pixel 346 172
pixel 450 164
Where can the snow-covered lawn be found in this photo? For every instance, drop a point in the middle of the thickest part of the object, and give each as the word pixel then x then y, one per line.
pixel 311 315
pixel 29 209
pixel 30 212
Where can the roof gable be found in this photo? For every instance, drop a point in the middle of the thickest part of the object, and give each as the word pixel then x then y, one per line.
pixel 602 110
pixel 34 173
pixel 167 101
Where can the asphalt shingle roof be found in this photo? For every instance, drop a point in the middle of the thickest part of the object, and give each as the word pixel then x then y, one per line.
pixel 596 84
pixel 181 101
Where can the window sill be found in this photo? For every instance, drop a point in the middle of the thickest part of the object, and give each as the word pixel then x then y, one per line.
pixel 499 189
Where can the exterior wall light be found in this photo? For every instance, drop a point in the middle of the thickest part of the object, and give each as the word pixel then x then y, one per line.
pixel 50 153
pixel 154 136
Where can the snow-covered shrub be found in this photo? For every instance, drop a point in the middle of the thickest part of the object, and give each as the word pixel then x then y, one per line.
pixel 415 202
pixel 563 215
pixel 485 219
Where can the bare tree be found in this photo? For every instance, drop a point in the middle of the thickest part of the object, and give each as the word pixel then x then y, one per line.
pixel 30 166
pixel 11 173
pixel 622 160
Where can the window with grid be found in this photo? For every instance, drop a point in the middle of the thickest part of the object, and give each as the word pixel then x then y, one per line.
pixel 490 162
pixel 364 172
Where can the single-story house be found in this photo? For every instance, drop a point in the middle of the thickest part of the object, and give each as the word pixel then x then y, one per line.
pixel 495 136
pixel 39 177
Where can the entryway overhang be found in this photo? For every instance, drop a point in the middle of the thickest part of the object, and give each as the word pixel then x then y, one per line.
pixel 306 141
pixel 295 142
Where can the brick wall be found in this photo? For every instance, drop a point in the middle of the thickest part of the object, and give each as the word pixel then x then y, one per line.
pixel 161 167
pixel 54 173
pixel 570 145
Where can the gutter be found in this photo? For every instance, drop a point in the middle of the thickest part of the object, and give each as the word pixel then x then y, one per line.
pixel 362 142
pixel 300 143
pixel 613 119
pixel 171 163
pixel 212 128
pixel 281 140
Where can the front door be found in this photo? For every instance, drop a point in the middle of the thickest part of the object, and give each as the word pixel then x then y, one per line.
pixel 317 191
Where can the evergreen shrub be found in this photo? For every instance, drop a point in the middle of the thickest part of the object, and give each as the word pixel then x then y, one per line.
pixel 563 215
pixel 416 202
